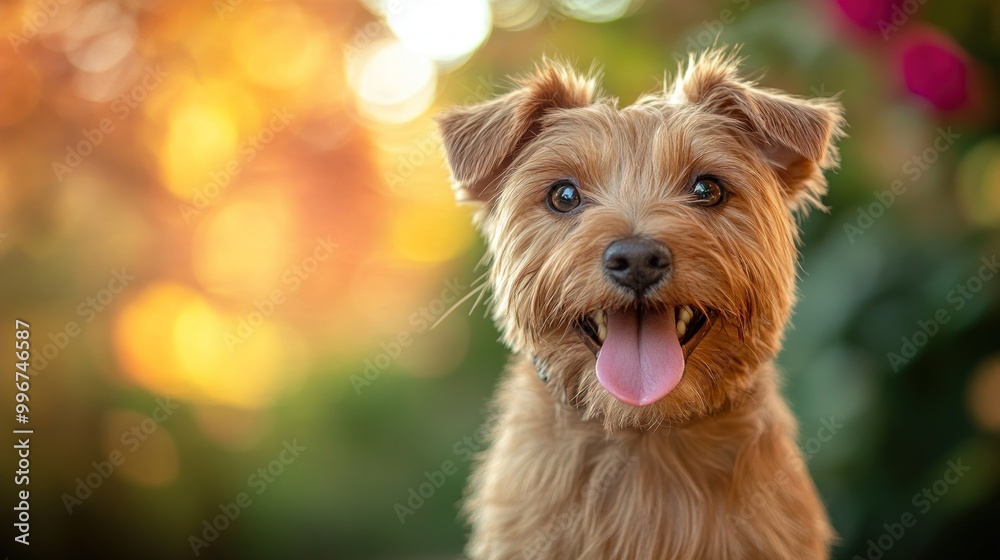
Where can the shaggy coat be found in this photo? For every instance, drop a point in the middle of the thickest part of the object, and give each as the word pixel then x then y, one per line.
pixel 711 470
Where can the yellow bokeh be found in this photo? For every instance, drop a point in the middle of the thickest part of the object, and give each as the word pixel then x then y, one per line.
pixel 172 341
pixel 206 134
pixel 280 47
pixel 412 162
pixel 144 344
pixel 427 232
pixel 426 225
pixel 979 183
pixel 241 251
pixel 201 138
pixel 196 342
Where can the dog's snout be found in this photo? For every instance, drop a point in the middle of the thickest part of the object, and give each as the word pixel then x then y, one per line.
pixel 637 262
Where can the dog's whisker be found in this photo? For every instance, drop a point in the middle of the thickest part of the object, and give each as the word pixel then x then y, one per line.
pixel 462 300
pixel 479 298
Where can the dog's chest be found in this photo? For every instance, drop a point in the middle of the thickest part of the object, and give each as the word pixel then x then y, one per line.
pixel 633 500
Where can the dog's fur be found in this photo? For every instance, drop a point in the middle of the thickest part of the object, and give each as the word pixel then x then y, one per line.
pixel 711 470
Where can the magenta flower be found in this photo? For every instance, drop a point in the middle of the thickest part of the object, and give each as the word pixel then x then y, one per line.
pixel 935 68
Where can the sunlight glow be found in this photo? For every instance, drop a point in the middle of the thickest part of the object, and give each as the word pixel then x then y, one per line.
pixel 596 11
pixel 101 36
pixel 393 84
pixel 431 232
pixel 241 250
pixel 446 31
pixel 280 47
pixel 173 342
pixel 201 139
pixel 516 15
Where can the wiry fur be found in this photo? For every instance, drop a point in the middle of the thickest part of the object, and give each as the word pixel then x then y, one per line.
pixel 711 470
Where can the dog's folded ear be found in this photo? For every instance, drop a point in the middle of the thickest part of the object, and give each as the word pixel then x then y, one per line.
pixel 481 141
pixel 797 136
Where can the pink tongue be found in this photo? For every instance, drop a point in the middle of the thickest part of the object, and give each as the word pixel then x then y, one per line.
pixel 641 359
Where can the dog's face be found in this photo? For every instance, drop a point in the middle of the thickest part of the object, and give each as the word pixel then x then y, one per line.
pixel 644 257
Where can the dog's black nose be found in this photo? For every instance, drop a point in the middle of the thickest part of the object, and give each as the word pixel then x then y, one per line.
pixel 637 262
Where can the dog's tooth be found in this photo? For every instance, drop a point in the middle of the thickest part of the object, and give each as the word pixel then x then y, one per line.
pixel 602 331
pixel 682 328
pixel 599 318
pixel 686 314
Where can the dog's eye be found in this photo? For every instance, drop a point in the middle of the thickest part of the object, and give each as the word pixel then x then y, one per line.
pixel 563 196
pixel 707 191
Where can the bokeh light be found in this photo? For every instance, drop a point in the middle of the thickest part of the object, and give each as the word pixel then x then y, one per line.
pixel 984 394
pixel 280 47
pixel 867 14
pixel 100 37
pixel 241 250
pixel 214 151
pixel 392 83
pixel 598 11
pixel 935 69
pixel 446 31
pixel 173 341
pixel 201 139
pixel 430 232
pixel 517 14
pixel 979 183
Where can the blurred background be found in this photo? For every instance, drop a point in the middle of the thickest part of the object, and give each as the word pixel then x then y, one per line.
pixel 230 228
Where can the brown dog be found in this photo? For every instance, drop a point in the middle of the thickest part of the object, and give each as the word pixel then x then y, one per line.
pixel 643 270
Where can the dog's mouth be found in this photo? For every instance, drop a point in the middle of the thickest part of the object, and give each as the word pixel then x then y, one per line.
pixel 690 328
pixel 641 351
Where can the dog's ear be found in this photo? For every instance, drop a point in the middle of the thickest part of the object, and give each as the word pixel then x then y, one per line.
pixel 481 141
pixel 797 136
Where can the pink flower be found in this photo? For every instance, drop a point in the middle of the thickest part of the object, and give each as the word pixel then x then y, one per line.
pixel 935 68
pixel 867 14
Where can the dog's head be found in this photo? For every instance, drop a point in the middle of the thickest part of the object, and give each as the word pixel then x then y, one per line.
pixel 645 256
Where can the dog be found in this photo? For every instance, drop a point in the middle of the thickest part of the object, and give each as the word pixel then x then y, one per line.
pixel 642 263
